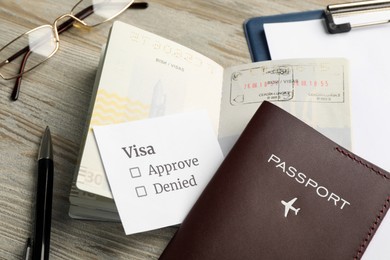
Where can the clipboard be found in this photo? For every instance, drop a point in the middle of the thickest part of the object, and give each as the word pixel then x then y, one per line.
pixel 254 27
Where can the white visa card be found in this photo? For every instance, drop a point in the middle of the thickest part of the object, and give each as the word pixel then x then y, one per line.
pixel 158 167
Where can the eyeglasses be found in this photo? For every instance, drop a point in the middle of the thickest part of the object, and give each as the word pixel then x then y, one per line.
pixel 36 46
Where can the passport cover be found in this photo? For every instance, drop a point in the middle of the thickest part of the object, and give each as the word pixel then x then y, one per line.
pixel 284 192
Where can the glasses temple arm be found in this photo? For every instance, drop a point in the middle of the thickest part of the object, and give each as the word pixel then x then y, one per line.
pixel 18 80
pixel 88 11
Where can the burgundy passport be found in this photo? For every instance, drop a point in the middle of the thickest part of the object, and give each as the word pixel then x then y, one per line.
pixel 284 192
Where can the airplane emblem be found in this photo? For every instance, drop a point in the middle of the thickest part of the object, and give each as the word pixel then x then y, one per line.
pixel 289 206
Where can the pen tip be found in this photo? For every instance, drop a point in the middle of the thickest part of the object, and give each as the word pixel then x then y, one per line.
pixel 46 147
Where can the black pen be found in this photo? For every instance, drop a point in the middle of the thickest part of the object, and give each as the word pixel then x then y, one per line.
pixel 41 241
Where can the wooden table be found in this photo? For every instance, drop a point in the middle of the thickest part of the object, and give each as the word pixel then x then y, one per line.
pixel 58 95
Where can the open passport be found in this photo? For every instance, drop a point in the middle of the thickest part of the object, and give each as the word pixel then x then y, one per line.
pixel 287 192
pixel 143 75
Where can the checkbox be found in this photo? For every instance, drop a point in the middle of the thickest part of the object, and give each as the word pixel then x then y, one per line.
pixel 141 191
pixel 135 172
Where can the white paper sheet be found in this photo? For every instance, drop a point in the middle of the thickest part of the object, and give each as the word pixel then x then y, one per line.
pixel 367 49
pixel 157 168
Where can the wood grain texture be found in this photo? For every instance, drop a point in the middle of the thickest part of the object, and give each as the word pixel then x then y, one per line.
pixel 58 95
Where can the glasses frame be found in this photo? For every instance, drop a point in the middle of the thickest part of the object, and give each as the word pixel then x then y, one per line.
pixel 57 29
pixel 16 55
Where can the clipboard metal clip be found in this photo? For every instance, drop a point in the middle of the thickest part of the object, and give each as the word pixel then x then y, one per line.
pixel 341 18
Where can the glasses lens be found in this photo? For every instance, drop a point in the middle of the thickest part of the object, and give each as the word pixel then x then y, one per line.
pixel 94 12
pixel 39 44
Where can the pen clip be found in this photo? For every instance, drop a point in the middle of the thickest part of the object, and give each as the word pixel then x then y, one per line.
pixel 27 252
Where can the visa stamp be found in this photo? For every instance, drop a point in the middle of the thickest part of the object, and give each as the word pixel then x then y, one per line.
pixel 321 82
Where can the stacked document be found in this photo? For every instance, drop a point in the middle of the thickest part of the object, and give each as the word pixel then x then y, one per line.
pixel 143 75
pixel 89 205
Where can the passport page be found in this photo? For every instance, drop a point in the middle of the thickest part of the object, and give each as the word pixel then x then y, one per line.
pixel 144 76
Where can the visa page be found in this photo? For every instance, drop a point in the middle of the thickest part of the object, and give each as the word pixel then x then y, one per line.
pixel 314 90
